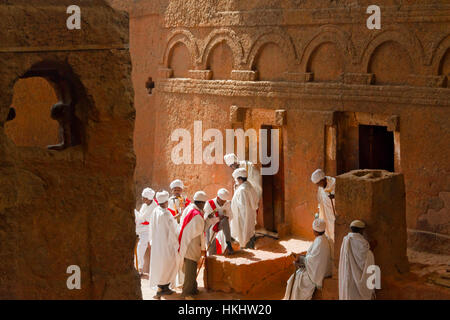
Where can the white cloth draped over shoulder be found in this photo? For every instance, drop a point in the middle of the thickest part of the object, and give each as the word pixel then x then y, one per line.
pixel 317 267
pixel 224 210
pixel 192 231
pixel 183 215
pixel 144 215
pixel 164 259
pixel 243 206
pixel 354 260
pixel 253 176
pixel 325 207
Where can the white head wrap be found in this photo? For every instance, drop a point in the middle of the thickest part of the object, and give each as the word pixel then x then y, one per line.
pixel 200 196
pixel 317 176
pixel 148 193
pixel 162 197
pixel 224 194
pixel 318 225
pixel 240 172
pixel 358 224
pixel 230 159
pixel 176 183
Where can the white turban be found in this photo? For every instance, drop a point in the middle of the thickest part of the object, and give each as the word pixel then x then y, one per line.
pixel 240 172
pixel 148 193
pixel 318 225
pixel 358 224
pixel 230 159
pixel 176 183
pixel 162 197
pixel 224 194
pixel 317 176
pixel 200 196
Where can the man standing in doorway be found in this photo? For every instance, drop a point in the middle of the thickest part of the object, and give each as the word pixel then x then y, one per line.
pixel 244 205
pixel 254 175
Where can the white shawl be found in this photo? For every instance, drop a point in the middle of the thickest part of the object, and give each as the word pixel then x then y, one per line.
pixel 164 259
pixel 243 206
pixel 354 260
pixel 317 267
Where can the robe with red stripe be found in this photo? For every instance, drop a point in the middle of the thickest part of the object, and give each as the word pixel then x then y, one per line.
pixel 215 228
pixel 186 203
pixel 190 230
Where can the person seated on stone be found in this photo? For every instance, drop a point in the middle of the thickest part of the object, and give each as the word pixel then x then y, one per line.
pixel 325 198
pixel 356 256
pixel 192 244
pixel 164 260
pixel 177 201
pixel 244 204
pixel 312 267
pixel 217 217
pixel 142 220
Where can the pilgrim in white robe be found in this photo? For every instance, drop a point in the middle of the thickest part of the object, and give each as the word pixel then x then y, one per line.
pixel 180 273
pixel 243 206
pixel 317 267
pixel 254 176
pixel 164 260
pixel 354 260
pixel 224 210
pixel 142 219
pixel 192 240
pixel 325 207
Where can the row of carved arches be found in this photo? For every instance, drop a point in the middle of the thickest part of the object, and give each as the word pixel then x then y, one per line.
pixel 391 55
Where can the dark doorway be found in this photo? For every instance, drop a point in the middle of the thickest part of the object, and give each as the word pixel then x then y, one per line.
pixel 376 148
pixel 273 187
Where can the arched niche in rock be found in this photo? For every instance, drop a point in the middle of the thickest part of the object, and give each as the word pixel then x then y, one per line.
pixel 326 63
pixel 220 61
pixel 270 63
pixel 180 61
pixel 390 63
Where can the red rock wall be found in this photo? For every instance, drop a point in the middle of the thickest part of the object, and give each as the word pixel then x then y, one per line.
pixel 71 207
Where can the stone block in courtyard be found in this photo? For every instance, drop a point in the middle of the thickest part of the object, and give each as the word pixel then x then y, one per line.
pixel 376 197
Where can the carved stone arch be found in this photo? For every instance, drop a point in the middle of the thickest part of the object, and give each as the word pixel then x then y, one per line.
pixel 283 41
pixel 185 37
pixel 230 38
pixel 438 52
pixel 331 34
pixel 403 37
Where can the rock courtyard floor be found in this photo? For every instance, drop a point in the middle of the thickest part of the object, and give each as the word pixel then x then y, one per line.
pixel 266 248
pixel 424 265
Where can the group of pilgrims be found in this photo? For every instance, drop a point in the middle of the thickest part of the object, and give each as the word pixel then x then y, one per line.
pixel 180 232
